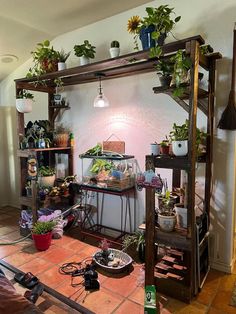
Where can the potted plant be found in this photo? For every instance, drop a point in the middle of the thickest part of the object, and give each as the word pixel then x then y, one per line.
pixel 42 234
pixel 46 176
pixel 62 57
pixel 136 240
pixel 179 138
pixel 45 59
pixel 165 68
pixel 153 28
pixel 182 64
pixel 115 49
pixel 85 52
pixel 166 214
pixel 61 135
pixel 165 147
pixel 24 101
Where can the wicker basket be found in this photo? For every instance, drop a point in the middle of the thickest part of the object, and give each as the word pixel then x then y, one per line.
pixel 126 259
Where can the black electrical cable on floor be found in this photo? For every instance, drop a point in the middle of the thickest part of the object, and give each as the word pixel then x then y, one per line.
pixel 73 267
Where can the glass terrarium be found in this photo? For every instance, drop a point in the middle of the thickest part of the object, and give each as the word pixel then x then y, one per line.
pixel 109 172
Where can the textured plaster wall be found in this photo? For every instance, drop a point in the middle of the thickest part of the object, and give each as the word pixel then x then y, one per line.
pixel 139 117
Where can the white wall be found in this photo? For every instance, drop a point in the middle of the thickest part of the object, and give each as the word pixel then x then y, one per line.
pixel 139 117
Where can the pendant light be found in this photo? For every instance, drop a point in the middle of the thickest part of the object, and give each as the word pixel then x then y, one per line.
pixel 100 101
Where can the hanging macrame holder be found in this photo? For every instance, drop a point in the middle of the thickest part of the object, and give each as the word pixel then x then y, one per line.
pixel 117 146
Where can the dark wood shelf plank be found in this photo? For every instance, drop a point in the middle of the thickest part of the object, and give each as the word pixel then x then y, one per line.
pixel 129 64
pixel 173 239
pixel 26 152
pixel 169 162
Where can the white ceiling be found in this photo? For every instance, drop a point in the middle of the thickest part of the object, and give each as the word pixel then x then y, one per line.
pixel 24 23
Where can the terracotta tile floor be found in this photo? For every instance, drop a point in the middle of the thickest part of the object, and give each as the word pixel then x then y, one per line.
pixel 118 294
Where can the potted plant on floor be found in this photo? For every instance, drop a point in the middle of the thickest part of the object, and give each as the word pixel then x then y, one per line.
pixel 62 57
pixel 24 101
pixel 136 241
pixel 42 234
pixel 85 52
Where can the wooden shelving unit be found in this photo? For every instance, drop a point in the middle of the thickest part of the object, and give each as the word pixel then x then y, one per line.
pixel 137 63
pixel 194 98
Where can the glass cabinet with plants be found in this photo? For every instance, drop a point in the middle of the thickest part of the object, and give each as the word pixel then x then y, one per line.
pixel 109 172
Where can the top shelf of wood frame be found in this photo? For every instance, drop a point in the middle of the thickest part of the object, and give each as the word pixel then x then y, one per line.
pixel 129 64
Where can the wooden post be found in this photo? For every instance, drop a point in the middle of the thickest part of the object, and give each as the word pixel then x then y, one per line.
pixel 210 128
pixel 194 55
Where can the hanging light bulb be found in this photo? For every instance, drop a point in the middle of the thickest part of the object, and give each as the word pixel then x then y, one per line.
pixel 101 100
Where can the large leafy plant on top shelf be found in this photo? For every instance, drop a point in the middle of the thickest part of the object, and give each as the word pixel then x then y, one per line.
pixel 160 18
pixel 45 59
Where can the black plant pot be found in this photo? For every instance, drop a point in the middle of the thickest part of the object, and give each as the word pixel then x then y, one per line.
pixel 141 252
pixel 165 80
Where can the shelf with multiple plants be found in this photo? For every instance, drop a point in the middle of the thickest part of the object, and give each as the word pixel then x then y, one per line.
pixel 169 59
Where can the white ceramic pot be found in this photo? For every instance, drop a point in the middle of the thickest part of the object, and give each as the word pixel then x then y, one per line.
pixel 180 148
pixel 155 149
pixel 61 66
pixel 114 52
pixel 181 215
pixel 167 223
pixel 46 181
pixel 84 60
pixel 24 105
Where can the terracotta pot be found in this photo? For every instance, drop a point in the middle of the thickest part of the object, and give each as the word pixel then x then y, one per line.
pixel 61 139
pixel 164 150
pixel 42 241
pixel 49 65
